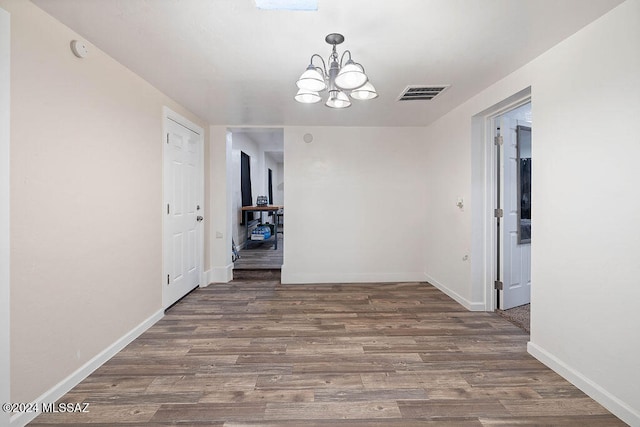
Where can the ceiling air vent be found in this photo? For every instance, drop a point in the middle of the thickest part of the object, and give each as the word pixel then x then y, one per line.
pixel 423 93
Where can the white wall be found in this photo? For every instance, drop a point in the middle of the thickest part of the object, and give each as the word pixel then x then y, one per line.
pixel 269 163
pixel 447 227
pixel 86 204
pixel 585 269
pixel 5 36
pixel 220 201
pixel 354 205
pixel 278 184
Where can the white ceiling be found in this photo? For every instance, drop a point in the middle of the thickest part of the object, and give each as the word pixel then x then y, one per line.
pixel 270 140
pixel 233 64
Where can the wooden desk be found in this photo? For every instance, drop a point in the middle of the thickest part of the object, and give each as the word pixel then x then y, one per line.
pixel 267 208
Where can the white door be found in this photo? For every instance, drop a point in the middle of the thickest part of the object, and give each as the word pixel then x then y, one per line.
pixel 183 210
pixel 515 257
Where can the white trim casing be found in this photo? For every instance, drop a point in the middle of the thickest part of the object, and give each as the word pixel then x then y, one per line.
pixel 204 278
pixel 5 84
pixel 64 386
pixel 593 390
pixel 170 114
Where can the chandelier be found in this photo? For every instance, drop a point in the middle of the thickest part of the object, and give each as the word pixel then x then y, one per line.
pixel 343 81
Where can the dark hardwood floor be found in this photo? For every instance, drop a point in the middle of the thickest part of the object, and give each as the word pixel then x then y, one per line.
pixel 258 353
pixel 261 256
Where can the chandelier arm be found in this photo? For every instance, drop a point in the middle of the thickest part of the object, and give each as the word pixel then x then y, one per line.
pixel 342 57
pixel 324 66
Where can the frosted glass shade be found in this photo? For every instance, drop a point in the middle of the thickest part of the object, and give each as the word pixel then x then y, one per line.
pixel 351 76
pixel 311 80
pixel 338 99
pixel 307 97
pixel 364 92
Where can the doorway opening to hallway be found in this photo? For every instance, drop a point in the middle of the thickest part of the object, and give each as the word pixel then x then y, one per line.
pixel 495 204
pixel 511 132
pixel 257 188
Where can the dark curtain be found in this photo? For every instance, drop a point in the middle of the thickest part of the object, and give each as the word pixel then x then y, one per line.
pixel 270 190
pixel 270 187
pixel 245 183
pixel 525 188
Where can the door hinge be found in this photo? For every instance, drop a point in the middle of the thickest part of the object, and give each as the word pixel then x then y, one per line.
pixel 498 213
pixel 167 208
pixel 498 140
pixel 167 138
pixel 498 285
pixel 168 279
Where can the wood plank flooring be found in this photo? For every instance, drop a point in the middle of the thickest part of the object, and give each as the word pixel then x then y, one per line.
pixel 261 256
pixel 258 353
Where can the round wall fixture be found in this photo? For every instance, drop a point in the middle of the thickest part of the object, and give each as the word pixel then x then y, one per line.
pixel 79 48
pixel 307 138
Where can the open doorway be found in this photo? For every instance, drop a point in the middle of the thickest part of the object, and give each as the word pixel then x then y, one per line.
pixel 512 131
pixel 257 188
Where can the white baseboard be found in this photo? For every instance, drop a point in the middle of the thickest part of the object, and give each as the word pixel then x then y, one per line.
pixel 288 277
pixel 469 305
pixel 64 386
pixel 619 408
pixel 220 274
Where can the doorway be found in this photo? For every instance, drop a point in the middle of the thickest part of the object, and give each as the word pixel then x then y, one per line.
pixel 183 243
pixel 512 135
pixel 257 169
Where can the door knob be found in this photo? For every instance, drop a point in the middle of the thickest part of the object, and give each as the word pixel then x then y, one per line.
pixel 199 218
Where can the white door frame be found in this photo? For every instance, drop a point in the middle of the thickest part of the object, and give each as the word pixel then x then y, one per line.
pixel 5 365
pixel 168 114
pixel 485 169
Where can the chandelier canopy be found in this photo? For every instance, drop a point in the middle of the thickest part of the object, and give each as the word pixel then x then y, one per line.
pixel 343 80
